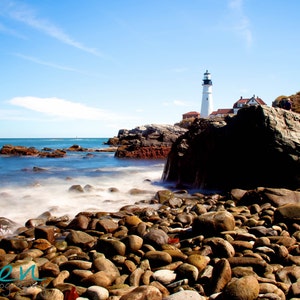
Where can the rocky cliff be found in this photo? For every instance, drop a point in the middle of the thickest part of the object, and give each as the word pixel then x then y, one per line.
pixel 148 141
pixel 260 146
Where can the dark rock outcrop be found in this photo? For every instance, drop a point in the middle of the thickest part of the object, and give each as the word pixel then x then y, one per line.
pixel 149 141
pixel 30 151
pixel 260 146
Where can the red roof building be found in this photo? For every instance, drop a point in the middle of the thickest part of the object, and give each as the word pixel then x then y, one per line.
pixel 245 102
pixel 191 114
pixel 222 112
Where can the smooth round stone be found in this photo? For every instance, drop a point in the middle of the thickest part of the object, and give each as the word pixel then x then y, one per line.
pixel 62 276
pixel 269 288
pixel 143 292
pixel 133 242
pixel 156 237
pixel 81 274
pixel 97 293
pixel 41 244
pixel 76 264
pixel 80 238
pixel 15 244
pixel 80 222
pixel 49 270
pixel 221 275
pixel 220 247
pixel 214 222
pixel 188 271
pixel 33 253
pixel 163 195
pixel 158 257
pixel 24 265
pixel 185 218
pixel 132 220
pixel 106 225
pixel 104 264
pixel 130 265
pixel 76 188
pixel 59 259
pixel 199 261
pixel 61 245
pixel 175 202
pixel 100 278
pixel 185 295
pixel 111 247
pixel 246 288
pixel 50 294
pixel 242 271
pixel 164 276
pixel 176 254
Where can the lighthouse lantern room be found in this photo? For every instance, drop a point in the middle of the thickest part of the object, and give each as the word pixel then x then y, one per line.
pixel 207 100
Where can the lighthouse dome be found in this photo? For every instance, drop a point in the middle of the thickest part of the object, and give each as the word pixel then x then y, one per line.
pixel 207 78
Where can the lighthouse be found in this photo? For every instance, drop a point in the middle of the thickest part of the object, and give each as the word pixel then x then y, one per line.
pixel 207 100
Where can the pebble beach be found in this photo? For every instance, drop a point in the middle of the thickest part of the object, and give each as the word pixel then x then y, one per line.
pixel 177 245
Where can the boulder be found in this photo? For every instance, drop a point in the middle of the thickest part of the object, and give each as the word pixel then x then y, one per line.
pixel 260 146
pixel 148 141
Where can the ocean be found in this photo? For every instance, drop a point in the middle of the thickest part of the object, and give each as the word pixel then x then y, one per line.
pixel 26 193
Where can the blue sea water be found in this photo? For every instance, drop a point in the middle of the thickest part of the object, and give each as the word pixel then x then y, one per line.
pixel 26 193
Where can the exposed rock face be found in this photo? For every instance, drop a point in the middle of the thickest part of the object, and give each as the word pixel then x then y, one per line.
pixel 30 151
pixel 149 141
pixel 260 146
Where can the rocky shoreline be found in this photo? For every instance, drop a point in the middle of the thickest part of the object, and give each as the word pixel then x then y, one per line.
pixel 12 150
pixel 244 244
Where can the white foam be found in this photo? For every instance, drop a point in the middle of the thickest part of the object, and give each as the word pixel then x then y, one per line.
pixel 20 203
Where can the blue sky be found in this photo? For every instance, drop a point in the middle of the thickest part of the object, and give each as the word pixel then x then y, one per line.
pixel 89 68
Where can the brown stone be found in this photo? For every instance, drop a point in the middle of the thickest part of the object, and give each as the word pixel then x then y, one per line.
pixel 111 247
pixel 221 275
pixel 80 222
pixel 100 278
pixel 142 293
pixel 106 225
pixel 45 232
pixel 103 264
pixel 199 261
pixel 213 223
pixel 133 243
pixel 158 258
pixel 245 288
pixel 80 239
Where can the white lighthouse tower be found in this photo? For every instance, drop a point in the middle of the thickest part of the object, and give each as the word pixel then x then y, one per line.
pixel 207 100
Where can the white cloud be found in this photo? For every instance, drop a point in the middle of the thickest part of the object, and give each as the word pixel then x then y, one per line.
pixel 242 24
pixel 64 109
pixel 26 15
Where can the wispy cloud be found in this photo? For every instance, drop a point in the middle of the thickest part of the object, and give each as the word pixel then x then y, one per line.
pixel 45 63
pixel 242 24
pixel 4 29
pixel 64 109
pixel 26 15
